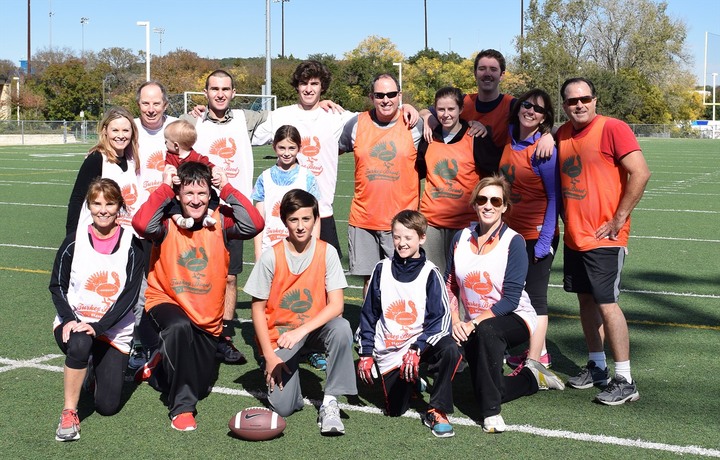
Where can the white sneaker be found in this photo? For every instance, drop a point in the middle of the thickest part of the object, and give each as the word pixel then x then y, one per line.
pixel 494 424
pixel 329 420
pixel 546 379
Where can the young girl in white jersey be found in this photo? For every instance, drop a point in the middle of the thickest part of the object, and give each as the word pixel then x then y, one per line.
pixel 274 182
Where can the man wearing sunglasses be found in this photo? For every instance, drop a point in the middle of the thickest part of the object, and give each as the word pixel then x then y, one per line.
pixel 386 181
pixel 603 175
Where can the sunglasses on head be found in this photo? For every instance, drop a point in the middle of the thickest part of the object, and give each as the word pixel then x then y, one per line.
pixel 527 105
pixel 390 95
pixel 574 100
pixel 496 201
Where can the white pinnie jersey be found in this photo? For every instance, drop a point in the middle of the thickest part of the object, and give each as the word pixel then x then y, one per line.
pixel 228 146
pixel 275 230
pixel 320 132
pixel 481 277
pixel 96 281
pixel 403 306
pixel 151 155
pixel 128 182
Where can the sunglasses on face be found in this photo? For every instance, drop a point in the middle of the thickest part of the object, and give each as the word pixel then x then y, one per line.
pixel 390 95
pixel 496 201
pixel 527 105
pixel 571 101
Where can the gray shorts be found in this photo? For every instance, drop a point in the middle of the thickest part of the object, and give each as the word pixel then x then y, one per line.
pixel 437 245
pixel 366 248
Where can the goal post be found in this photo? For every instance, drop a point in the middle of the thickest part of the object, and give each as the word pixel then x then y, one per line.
pixel 256 102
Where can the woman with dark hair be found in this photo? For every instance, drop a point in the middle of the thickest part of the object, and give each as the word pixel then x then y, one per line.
pixel 95 283
pixel 534 184
pixel 451 164
pixel 487 268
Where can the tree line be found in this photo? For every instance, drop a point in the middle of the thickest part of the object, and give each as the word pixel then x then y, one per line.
pixel 632 49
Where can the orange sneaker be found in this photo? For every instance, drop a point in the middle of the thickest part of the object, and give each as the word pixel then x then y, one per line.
pixel 184 422
pixel 69 427
pixel 145 372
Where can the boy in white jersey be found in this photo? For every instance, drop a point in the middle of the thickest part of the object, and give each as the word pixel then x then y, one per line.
pixel 405 319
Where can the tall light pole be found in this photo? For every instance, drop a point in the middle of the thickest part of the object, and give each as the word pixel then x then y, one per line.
pixel 83 21
pixel 449 44
pixel 425 3
pixel 51 14
pixel 146 24
pixel 282 13
pixel 714 75
pixel 268 60
pixel 160 31
pixel 17 79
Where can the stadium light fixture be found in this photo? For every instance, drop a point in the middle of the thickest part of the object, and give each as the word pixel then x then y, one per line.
pixel 83 21
pixel 160 31
pixel 146 24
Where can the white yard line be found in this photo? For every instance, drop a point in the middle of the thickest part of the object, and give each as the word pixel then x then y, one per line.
pixel 37 363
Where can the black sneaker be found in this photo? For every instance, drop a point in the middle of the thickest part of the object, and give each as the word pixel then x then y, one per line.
pixel 228 353
pixel 619 391
pixel 589 375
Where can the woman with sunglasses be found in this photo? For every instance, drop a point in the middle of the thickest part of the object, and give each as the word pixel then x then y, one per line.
pixel 451 165
pixel 534 184
pixel 488 264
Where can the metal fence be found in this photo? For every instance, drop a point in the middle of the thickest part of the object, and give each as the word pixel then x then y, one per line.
pixel 47 132
pixel 679 130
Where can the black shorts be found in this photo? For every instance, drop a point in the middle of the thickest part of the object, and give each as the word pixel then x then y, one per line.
pixel 235 247
pixel 328 233
pixel 595 272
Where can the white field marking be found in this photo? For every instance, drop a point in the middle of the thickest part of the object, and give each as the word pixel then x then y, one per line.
pixel 22 246
pixel 677 210
pixel 35 204
pixel 11 364
pixel 692 240
pixel 19 182
pixel 51 155
pixel 663 193
pixel 37 169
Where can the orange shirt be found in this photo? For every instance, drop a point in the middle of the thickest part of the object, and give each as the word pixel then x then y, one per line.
pixel 386 181
pixel 450 179
pixel 295 298
pixel 190 269
pixel 528 197
pixel 592 184
pixel 496 119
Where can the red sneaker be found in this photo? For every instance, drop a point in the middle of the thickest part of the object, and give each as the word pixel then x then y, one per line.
pixel 145 372
pixel 184 422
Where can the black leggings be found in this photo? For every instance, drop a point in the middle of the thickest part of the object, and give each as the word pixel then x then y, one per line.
pixel 109 364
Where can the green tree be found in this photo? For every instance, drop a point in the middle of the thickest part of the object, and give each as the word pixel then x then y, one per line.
pixel 69 88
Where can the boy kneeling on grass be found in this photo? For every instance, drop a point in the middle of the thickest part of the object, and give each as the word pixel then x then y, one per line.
pixel 405 319
pixel 297 305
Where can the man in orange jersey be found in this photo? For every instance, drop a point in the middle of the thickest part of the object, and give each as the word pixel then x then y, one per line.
pixel 603 175
pixel 297 305
pixel 386 180
pixel 186 283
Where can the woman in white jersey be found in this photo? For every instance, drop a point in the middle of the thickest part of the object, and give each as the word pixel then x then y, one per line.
pixel 488 264
pixel 95 283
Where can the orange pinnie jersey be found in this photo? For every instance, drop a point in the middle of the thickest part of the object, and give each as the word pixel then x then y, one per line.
pixel 190 269
pixel 592 186
pixel 528 197
pixel 386 181
pixel 295 298
pixel 497 119
pixel 450 179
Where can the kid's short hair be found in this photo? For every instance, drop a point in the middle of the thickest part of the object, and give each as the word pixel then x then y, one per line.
pixel 413 220
pixel 296 199
pixel 182 132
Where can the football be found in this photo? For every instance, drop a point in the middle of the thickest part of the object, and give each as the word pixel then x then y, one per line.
pixel 256 424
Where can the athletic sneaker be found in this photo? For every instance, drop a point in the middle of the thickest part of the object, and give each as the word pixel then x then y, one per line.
pixel 69 427
pixel 619 391
pixel 329 420
pixel 438 423
pixel 517 360
pixel 318 361
pixel 145 372
pixel 184 422
pixel 546 379
pixel 589 375
pixel 494 424
pixel 228 353
pixel 138 358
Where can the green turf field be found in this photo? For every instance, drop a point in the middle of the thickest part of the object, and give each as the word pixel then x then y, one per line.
pixel 671 298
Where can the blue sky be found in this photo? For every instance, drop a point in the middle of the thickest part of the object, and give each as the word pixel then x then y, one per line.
pixel 311 26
